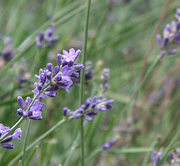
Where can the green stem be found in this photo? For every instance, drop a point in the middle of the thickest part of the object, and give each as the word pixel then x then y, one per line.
pixel 25 141
pixel 39 139
pixel 142 83
pixel 82 77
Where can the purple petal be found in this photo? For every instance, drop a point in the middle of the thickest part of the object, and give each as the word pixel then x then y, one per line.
pixel 8 146
pixel 17 134
pixel 20 101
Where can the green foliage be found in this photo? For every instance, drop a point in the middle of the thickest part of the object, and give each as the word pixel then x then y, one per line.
pixel 119 37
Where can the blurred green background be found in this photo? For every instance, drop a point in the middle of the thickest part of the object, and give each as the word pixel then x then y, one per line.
pixel 120 34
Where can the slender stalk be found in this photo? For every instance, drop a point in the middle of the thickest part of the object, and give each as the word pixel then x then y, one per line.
pixel 39 139
pixel 25 141
pixel 82 78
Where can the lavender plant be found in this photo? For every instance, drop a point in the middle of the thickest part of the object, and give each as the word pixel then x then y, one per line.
pixel 172 160
pixel 45 39
pixel 171 37
pixel 49 82
pixel 118 35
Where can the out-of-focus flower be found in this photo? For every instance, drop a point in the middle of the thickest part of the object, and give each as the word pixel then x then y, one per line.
pixel 108 145
pixel 8 53
pixel 23 76
pixel 5 142
pixel 88 73
pixel 171 37
pixel 156 157
pixel 105 79
pixel 45 39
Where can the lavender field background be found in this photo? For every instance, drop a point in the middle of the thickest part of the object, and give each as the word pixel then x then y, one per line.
pixel 121 37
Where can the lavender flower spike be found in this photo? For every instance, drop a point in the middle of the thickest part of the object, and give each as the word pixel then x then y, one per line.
pixel 89 109
pixel 45 39
pixel 60 77
pixel 108 145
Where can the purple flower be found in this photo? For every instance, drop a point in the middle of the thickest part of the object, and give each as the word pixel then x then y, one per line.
pixel 171 37
pixel 35 111
pixel 88 72
pixel 8 53
pixel 8 146
pixel 156 157
pixel 178 14
pixel 45 39
pixel 90 108
pixel 3 129
pixel 16 135
pixel 71 56
pixel 58 78
pixel 105 79
pixel 108 145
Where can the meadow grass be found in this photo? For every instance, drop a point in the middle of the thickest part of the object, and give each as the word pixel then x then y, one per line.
pixel 118 38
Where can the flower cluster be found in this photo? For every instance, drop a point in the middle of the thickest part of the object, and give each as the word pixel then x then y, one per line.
pixel 175 157
pixel 173 160
pixel 105 79
pixel 50 81
pixel 5 142
pixel 34 112
pixel 8 53
pixel 171 36
pixel 45 39
pixel 89 109
pixel 156 157
pixel 88 74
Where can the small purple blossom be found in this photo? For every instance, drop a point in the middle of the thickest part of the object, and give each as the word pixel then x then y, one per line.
pixel 3 129
pixel 90 108
pixel 8 52
pixel 156 157
pixel 171 36
pixel 16 135
pixel 70 57
pixel 45 39
pixel 35 112
pixel 88 73
pixel 108 145
pixel 178 14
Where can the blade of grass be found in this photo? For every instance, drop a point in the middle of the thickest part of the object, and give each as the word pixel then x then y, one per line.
pixel 81 98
